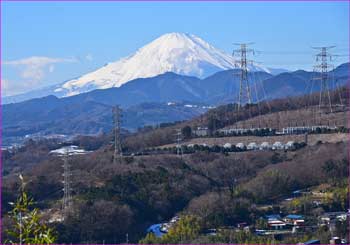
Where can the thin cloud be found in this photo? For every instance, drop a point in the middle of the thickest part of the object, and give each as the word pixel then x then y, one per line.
pixel 32 70
pixel 35 67
pixel 9 88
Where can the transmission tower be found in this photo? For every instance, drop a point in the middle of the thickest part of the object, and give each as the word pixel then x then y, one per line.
pixel 323 67
pixel 178 135
pixel 117 115
pixel 67 196
pixel 244 87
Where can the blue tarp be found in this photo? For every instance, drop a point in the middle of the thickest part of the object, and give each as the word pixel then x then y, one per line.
pixel 155 229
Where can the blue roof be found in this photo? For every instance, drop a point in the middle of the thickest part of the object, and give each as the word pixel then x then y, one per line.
pixel 273 216
pixel 155 229
pixel 294 216
pixel 312 242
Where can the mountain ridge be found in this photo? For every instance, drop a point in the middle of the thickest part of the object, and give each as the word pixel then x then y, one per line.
pixel 89 112
pixel 181 53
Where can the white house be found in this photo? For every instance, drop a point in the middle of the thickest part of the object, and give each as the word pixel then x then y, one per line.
pixel 240 145
pixel 265 146
pixel 277 146
pixel 252 146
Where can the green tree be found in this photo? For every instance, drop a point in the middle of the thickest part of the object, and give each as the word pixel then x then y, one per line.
pixel 150 239
pixel 186 229
pixel 27 228
pixel 261 224
pixel 186 132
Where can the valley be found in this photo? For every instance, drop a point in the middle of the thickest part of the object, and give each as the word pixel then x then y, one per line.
pixel 219 192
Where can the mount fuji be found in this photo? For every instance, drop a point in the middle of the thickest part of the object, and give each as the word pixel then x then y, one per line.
pixel 180 53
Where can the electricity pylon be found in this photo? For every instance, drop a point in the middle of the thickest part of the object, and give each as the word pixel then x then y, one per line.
pixel 67 196
pixel 178 142
pixel 323 67
pixel 117 115
pixel 244 87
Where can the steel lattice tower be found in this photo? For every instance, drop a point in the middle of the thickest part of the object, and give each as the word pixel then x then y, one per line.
pixel 244 87
pixel 178 142
pixel 117 115
pixel 323 67
pixel 67 196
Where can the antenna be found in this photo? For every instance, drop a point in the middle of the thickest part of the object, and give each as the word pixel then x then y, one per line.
pixel 244 87
pixel 117 115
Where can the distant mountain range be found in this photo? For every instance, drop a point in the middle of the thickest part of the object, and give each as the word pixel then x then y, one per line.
pixel 176 67
pixel 150 101
pixel 180 53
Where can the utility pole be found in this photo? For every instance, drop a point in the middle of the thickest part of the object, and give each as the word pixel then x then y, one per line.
pixel 67 196
pixel 117 115
pixel 244 87
pixel 323 67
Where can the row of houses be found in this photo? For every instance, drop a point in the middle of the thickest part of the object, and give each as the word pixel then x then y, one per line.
pixel 293 222
pixel 243 131
pixel 204 131
pixel 263 146
pixel 305 129
pixel 290 145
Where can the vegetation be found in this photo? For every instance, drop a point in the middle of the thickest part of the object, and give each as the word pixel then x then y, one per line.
pixel 186 230
pixel 211 188
pixel 26 227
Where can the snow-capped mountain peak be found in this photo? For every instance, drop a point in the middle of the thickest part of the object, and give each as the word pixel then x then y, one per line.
pixel 181 53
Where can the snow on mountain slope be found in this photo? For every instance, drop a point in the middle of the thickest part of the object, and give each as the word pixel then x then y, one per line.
pixel 180 53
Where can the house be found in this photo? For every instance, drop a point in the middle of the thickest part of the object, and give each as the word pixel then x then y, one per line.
pixel 240 146
pixel 290 145
pixel 276 224
pixel 201 132
pixel 265 146
pixel 227 146
pixel 277 146
pixel 210 232
pixel 296 130
pixel 335 240
pixel 292 217
pixel 332 217
pixel 295 220
pixel 242 225
pixel 297 193
pixel 252 146
pixel 174 219
pixel 273 216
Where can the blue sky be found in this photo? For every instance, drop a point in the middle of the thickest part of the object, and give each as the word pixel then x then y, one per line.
pixel 49 42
